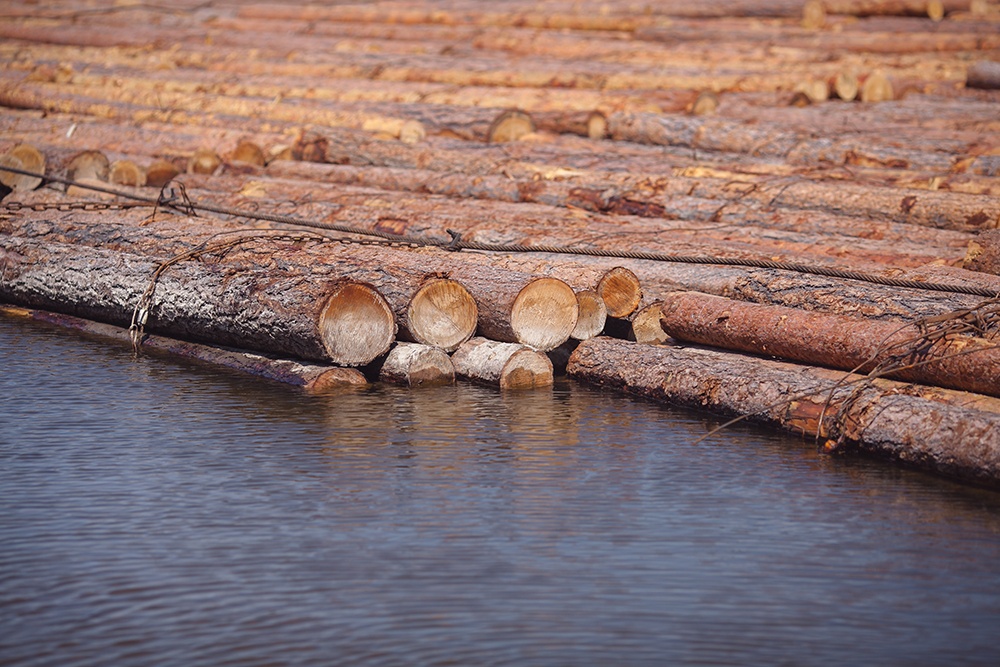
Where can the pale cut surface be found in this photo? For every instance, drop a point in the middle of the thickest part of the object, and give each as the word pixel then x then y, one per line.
pixel 544 314
pixel 356 325
pixel 442 313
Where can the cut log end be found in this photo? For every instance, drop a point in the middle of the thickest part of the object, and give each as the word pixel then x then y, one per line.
pixel 336 379
pixel 88 165
pixel 813 15
pixel 592 315
pixel 544 313
pixel 204 161
pixel 23 157
pixel 845 86
pixel 510 126
pixel 126 172
pixel 412 364
pixel 160 173
pixel 597 126
pixel 504 365
pixel 705 104
pixel 646 327
pixel 621 291
pixel 356 324
pixel 442 313
pixel 877 88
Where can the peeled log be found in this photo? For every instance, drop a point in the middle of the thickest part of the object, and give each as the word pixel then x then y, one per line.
pixel 218 302
pixel 835 341
pixel 928 428
pixel 313 378
pixel 412 364
pixel 506 365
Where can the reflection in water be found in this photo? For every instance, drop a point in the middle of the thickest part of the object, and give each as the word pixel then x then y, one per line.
pixel 153 511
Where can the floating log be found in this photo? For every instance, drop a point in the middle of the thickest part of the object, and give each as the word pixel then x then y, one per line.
pixel 126 172
pixel 313 378
pixel 428 307
pixel 224 303
pixel 506 365
pixel 413 364
pixel 930 354
pixel 932 429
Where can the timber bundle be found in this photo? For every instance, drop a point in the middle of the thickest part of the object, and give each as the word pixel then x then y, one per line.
pixel 776 210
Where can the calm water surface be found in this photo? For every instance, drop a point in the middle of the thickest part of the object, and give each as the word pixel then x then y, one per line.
pixel 157 512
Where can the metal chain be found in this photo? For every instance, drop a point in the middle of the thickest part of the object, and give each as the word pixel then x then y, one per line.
pixel 16 206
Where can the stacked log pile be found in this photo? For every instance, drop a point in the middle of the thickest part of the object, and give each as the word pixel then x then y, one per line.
pixel 496 192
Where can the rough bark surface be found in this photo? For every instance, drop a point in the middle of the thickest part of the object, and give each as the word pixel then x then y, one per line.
pixel 313 378
pixel 955 361
pixel 921 427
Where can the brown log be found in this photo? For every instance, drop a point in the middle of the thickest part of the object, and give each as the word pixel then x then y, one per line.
pixel 313 378
pixel 925 8
pixel 413 364
pixel 204 161
pixel 126 172
pixel 224 304
pixel 956 361
pixel 592 315
pixel 428 308
pixel 932 429
pixel 984 253
pixel 876 87
pixel 506 365
pixel 983 74
pixel 510 126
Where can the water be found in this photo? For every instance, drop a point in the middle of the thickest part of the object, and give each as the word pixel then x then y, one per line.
pixel 159 512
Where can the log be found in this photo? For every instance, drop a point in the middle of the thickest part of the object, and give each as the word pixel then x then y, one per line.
pixel 642 326
pixel 25 157
pixel 955 361
pixel 539 312
pixel 984 253
pixel 506 365
pixel 932 429
pixel 983 74
pixel 312 378
pixel 413 364
pixel 592 315
pixel 222 303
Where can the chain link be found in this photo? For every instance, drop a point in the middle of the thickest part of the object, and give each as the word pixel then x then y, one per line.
pixel 16 206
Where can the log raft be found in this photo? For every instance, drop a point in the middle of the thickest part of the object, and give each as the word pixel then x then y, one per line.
pixel 843 134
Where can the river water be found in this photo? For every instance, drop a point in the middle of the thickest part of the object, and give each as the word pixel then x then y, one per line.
pixel 158 512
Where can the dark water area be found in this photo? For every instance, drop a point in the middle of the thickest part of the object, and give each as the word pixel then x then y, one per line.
pixel 159 512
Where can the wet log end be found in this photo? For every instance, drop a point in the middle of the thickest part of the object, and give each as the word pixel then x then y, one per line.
pixel 413 364
pixel 356 324
pixel 504 365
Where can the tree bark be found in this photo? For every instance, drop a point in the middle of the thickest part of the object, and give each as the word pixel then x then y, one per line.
pixel 933 429
pixel 312 378
pixel 955 361
pixel 412 364
pixel 222 303
pixel 504 365
pixel 983 74
pixel 428 307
